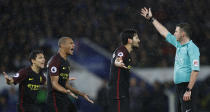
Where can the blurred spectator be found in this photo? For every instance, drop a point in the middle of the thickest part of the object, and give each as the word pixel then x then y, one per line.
pixel 159 99
pixel 135 103
pixel 4 101
pixel 102 97
pixel 12 99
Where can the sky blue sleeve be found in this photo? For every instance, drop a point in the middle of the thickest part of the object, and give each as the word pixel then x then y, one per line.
pixel 172 40
pixel 194 55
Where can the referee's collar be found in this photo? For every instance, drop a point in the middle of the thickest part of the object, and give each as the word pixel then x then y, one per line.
pixel 187 43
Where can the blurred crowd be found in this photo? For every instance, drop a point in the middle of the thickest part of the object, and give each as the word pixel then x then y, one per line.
pixel 29 24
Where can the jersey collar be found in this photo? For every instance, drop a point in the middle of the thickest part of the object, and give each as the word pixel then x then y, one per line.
pixel 187 43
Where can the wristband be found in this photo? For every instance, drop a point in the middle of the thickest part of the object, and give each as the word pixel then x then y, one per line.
pixel 151 19
pixel 188 90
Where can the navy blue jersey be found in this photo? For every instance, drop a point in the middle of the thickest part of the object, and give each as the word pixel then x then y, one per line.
pixel 57 66
pixel 56 100
pixel 29 85
pixel 119 77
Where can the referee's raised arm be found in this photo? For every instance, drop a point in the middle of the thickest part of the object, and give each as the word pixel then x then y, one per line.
pixel 146 13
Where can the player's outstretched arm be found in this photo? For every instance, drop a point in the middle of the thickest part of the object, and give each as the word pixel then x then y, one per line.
pixel 75 91
pixel 72 78
pixel 119 63
pixel 88 99
pixel 147 14
pixel 8 79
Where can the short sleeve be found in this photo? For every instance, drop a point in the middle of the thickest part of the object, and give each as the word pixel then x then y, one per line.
pixel 194 55
pixel 20 76
pixel 172 40
pixel 54 66
pixel 120 53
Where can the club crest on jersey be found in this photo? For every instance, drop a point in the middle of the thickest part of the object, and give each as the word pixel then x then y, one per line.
pixel 195 63
pixel 16 75
pixel 53 69
pixel 120 54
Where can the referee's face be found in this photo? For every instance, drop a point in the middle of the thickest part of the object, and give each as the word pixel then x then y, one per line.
pixel 177 34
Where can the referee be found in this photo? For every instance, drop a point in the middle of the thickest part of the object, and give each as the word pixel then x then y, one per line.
pixel 186 65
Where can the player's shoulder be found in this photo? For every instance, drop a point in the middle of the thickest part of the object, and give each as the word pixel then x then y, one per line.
pixel 121 50
pixel 22 71
pixel 25 69
pixel 54 59
pixel 118 52
pixel 192 46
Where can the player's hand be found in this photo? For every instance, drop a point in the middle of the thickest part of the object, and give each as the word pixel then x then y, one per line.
pixel 72 94
pixel 7 78
pixel 146 13
pixel 119 63
pixel 87 98
pixel 187 96
pixel 72 78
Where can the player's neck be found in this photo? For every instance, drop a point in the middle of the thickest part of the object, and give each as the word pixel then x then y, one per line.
pixel 62 54
pixel 35 68
pixel 185 40
pixel 128 47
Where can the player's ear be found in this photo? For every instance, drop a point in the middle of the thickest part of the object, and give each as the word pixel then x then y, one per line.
pixel 184 33
pixel 32 61
pixel 61 45
pixel 129 40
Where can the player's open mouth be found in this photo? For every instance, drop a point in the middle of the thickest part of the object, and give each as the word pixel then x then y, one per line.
pixel 72 49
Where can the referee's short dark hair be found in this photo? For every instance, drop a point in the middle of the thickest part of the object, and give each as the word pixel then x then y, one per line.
pixel 33 54
pixel 126 34
pixel 186 28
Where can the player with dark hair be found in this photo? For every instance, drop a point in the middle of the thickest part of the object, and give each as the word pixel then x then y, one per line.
pixel 187 61
pixel 58 83
pixel 30 79
pixel 120 72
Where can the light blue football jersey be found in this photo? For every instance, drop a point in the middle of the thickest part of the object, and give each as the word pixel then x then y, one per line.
pixel 187 59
